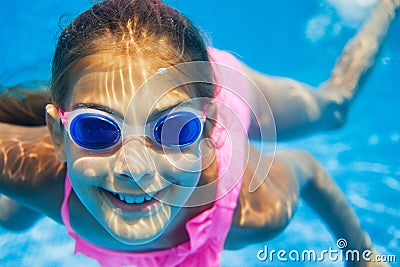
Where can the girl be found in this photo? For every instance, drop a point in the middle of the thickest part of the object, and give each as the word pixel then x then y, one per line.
pixel 149 127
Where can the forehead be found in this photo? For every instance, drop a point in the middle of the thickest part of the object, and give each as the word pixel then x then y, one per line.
pixel 112 81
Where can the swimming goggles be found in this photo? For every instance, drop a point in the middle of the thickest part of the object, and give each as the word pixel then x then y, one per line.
pixel 93 129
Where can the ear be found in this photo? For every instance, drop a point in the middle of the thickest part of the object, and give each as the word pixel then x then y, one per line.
pixel 56 132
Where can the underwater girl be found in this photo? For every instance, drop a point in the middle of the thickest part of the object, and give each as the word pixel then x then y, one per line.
pixel 146 158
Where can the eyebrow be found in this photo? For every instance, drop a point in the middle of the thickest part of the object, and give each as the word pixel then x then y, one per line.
pixel 157 112
pixel 98 107
pixel 163 108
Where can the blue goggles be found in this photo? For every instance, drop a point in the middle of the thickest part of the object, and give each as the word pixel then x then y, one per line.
pixel 96 130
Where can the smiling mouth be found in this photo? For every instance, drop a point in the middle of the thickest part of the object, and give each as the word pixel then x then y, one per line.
pixel 131 203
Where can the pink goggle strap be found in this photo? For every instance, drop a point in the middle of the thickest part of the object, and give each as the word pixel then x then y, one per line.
pixel 63 116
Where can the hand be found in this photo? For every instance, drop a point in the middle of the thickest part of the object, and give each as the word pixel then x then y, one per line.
pixel 392 4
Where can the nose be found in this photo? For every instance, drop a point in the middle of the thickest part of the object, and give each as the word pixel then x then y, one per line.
pixel 132 162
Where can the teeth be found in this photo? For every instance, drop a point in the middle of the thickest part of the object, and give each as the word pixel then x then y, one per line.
pixel 131 199
pixel 139 199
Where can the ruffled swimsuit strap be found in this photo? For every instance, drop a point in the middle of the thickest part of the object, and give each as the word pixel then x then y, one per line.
pixel 64 206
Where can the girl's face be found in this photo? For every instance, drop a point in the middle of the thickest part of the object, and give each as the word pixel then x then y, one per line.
pixel 129 187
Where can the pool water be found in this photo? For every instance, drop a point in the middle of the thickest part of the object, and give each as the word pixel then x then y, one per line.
pixel 297 39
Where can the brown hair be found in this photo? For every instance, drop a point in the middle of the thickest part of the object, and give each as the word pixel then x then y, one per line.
pixel 127 27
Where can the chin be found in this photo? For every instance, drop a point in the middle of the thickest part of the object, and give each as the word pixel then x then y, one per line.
pixel 131 229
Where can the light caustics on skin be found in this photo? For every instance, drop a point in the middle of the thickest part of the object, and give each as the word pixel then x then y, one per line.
pixel 100 180
pixel 111 182
pixel 130 227
pixel 188 74
pixel 141 229
pixel 19 152
pixel 276 209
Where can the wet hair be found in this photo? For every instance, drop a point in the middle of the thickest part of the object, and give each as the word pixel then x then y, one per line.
pixel 134 28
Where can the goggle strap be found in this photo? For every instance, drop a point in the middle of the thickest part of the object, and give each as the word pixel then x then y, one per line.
pixel 203 117
pixel 63 116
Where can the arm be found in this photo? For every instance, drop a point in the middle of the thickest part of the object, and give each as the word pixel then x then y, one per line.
pixel 30 174
pixel 266 212
pixel 298 109
pixel 359 54
pixel 24 104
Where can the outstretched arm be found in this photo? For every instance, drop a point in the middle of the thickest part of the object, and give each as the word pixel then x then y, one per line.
pixel 359 54
pixel 24 104
pixel 30 173
pixel 264 213
pixel 299 109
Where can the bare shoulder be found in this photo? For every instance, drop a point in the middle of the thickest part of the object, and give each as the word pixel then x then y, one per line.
pixel 264 213
pixel 30 172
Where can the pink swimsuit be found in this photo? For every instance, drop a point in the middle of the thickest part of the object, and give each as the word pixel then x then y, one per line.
pixel 208 230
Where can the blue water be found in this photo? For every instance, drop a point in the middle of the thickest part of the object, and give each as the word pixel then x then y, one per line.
pixel 297 39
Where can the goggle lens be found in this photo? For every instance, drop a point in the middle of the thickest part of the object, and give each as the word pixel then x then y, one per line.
pixel 94 131
pixel 179 129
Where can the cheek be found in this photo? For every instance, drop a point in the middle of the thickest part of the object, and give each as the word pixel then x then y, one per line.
pixel 84 166
pixel 177 167
pixel 88 166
